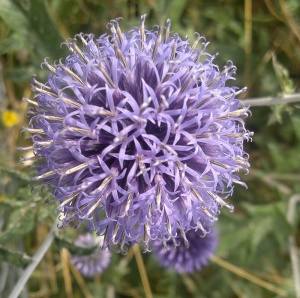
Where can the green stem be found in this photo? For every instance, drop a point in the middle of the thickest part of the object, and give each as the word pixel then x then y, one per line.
pixel 35 261
pixel 14 257
pixel 268 101
pixel 291 214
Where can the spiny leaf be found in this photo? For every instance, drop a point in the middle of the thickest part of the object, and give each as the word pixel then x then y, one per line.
pixel 41 25
pixel 14 257
pixel 18 25
pixel 15 174
pixel 282 73
pixel 12 16
pixel 73 249
pixel 21 222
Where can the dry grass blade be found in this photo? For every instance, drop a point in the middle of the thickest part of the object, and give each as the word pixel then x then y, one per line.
pixel 80 281
pixel 64 254
pixel 142 270
pixel 248 39
pixel 249 276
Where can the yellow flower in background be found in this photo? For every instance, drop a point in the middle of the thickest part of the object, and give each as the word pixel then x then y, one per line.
pixel 2 198
pixel 10 118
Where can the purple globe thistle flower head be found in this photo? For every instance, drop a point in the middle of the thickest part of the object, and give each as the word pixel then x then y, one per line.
pixel 138 134
pixel 94 263
pixel 173 254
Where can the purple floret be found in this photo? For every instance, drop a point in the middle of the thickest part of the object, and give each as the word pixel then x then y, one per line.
pixel 138 134
pixel 176 256
pixel 94 263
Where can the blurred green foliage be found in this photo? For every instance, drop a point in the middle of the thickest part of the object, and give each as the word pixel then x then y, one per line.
pixel 253 239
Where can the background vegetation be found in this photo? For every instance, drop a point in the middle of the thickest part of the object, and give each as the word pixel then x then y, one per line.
pixel 262 37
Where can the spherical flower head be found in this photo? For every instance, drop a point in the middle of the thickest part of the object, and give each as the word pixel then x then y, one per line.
pixel 95 263
pixel 138 135
pixel 174 255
